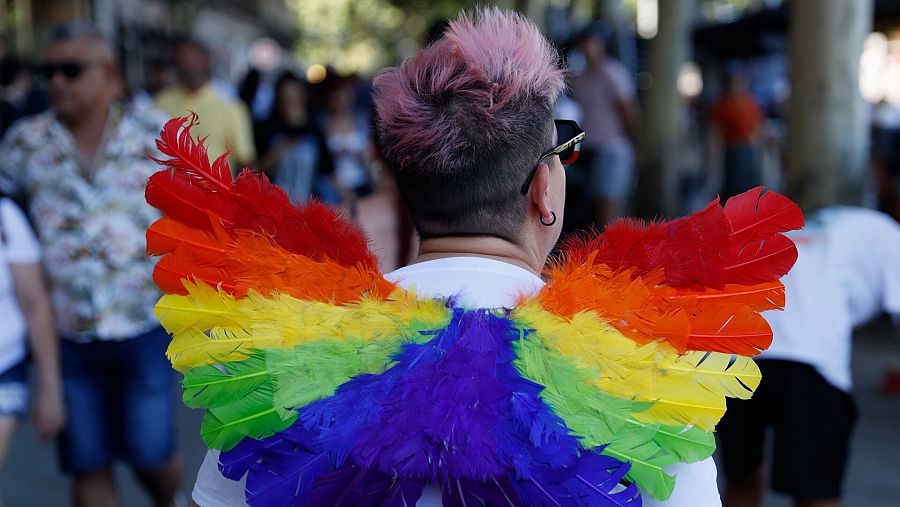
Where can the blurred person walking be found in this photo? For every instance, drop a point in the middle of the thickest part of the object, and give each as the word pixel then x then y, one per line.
pixel 605 91
pixel 25 306
pixel 83 166
pixel 847 272
pixel 885 157
pixel 737 120
pixel 349 138
pixel 293 149
pixel 226 122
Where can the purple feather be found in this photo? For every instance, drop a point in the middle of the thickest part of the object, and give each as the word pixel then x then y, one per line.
pixel 352 486
pixel 453 411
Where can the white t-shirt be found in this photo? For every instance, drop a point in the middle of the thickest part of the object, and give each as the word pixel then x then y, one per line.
pixel 480 283
pixel 17 246
pixel 848 271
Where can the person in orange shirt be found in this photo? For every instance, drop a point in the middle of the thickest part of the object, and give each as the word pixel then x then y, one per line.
pixel 737 120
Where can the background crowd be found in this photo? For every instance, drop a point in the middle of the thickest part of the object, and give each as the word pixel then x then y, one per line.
pixel 76 135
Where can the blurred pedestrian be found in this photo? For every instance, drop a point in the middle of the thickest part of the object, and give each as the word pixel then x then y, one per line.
pixel 25 306
pixel 19 97
pixel 885 159
pixel 84 166
pixel 293 149
pixel 349 138
pixel 225 121
pixel 737 125
pixel 605 90
pixel 847 272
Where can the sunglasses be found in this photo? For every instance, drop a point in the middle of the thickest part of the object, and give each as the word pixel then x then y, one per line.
pixel 568 150
pixel 69 70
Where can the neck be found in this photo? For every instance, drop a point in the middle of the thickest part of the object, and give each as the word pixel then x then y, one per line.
pixel 481 246
pixel 193 88
pixel 90 120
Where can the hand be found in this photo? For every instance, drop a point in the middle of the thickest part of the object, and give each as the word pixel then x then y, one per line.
pixel 49 412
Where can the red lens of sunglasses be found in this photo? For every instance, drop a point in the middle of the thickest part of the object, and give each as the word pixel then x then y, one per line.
pixel 566 131
pixel 570 156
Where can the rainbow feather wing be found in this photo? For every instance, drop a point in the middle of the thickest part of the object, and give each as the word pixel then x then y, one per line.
pixel 643 331
pixel 324 383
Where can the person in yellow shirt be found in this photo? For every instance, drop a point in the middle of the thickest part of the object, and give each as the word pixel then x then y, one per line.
pixel 226 122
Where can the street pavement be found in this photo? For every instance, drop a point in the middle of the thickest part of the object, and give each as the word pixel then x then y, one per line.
pixel 31 478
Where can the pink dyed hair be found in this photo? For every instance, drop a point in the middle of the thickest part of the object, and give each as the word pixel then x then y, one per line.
pixel 471 83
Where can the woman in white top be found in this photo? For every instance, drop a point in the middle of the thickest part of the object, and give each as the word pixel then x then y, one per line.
pixel 25 306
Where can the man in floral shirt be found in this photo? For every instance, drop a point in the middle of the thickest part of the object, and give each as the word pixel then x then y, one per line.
pixel 83 167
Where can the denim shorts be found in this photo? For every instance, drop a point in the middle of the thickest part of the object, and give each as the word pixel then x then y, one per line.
pixel 120 401
pixel 610 172
pixel 14 390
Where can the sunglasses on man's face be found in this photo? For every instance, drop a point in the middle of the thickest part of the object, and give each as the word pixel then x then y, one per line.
pixel 569 135
pixel 69 70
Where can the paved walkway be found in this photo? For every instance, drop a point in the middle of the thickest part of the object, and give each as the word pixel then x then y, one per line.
pixel 31 479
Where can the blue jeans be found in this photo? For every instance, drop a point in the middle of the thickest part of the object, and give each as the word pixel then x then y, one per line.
pixel 119 396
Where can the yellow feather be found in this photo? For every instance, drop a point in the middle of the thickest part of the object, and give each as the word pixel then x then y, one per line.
pixel 210 326
pixel 683 389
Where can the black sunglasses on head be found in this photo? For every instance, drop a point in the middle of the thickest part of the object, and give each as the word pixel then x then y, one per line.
pixel 570 135
pixel 69 70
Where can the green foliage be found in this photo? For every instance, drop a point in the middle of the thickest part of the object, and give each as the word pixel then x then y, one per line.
pixel 364 35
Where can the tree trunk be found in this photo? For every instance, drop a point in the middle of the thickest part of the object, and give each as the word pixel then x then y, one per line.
pixel 828 133
pixel 664 110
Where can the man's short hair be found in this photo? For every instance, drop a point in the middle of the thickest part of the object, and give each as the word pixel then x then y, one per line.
pixel 464 121
pixel 78 30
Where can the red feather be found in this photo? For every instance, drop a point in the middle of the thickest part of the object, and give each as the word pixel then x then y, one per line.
pixel 190 158
pixel 315 230
pixel 757 215
pixel 203 195
pixel 702 250
pixel 181 200
pixel 166 235
pixel 761 261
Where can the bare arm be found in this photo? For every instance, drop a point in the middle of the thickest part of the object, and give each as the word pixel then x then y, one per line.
pixel 31 292
pixel 631 118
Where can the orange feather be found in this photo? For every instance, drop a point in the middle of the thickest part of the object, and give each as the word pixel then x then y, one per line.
pixel 242 261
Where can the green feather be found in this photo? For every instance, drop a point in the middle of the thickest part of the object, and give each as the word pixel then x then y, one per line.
pixel 214 385
pixel 238 400
pixel 314 370
pixel 252 415
pixel 602 419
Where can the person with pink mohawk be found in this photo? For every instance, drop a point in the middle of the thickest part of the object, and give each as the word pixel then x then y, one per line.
pixel 455 416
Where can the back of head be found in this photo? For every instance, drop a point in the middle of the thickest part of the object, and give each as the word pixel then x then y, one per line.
pixel 11 68
pixel 464 121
